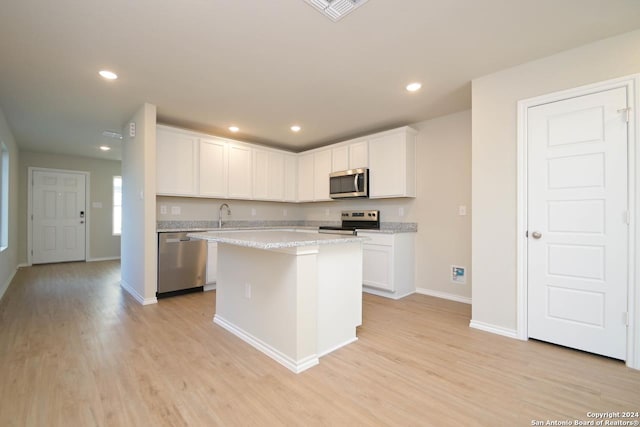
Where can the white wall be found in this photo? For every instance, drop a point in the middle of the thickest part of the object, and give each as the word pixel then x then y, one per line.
pixel 102 244
pixel 139 239
pixel 444 184
pixel 494 99
pixel 9 257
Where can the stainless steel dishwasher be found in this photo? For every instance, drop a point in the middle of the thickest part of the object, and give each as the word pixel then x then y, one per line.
pixel 182 264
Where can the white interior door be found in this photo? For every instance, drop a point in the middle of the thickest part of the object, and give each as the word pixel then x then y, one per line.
pixel 59 216
pixel 578 223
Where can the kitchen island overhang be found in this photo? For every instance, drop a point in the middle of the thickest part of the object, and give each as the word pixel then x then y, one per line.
pixel 294 296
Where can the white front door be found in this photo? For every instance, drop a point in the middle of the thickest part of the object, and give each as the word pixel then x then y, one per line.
pixel 578 223
pixel 59 216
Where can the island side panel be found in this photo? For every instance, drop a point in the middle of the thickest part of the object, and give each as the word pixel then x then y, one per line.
pixel 339 295
pixel 280 312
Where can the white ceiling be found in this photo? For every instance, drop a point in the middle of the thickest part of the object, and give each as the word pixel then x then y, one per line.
pixel 265 65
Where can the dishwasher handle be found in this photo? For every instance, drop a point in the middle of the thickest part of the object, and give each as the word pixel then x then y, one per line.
pixel 178 240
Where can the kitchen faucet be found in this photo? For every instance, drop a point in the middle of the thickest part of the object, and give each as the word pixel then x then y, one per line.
pixel 224 205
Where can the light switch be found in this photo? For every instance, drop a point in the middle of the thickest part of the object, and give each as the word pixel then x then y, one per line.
pixel 462 210
pixel 96 205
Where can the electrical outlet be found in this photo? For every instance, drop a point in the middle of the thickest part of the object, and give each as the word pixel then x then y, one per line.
pixel 327 212
pixel 253 211
pixel 400 211
pixel 163 209
pixel 176 210
pixel 284 212
pixel 247 290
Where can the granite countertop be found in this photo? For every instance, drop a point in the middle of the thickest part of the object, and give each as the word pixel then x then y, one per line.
pixel 195 226
pixel 275 239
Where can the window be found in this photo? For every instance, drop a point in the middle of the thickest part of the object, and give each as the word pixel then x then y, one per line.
pixel 117 205
pixel 4 196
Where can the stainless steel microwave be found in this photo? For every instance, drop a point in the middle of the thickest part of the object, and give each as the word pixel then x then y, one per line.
pixel 349 183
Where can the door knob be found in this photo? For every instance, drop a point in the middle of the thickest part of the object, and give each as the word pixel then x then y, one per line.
pixel 536 234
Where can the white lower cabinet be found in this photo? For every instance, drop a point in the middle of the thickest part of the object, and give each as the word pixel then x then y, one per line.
pixel 388 264
pixel 212 262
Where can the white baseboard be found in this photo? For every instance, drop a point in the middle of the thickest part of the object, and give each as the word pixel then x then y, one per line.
pixel 23 264
pixel 296 366
pixel 499 330
pixel 386 294
pixel 136 295
pixel 334 348
pixel 209 287
pixel 6 283
pixel 443 295
pixel 106 258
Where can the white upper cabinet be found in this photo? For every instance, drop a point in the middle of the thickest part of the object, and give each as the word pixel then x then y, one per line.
pixel 392 164
pixel 275 176
pixel 306 177
pixel 268 175
pixel 192 164
pixel 260 174
pixel 340 158
pixel 290 177
pixel 313 175
pixel 176 162
pixel 358 155
pixel 322 169
pixel 350 156
pixel 240 171
pixel 213 167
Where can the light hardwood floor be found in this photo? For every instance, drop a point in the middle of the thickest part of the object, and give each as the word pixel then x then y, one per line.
pixel 76 350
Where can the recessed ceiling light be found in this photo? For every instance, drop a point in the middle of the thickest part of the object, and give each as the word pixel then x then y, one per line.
pixel 295 128
pixel 412 87
pixel 105 148
pixel 109 75
pixel 234 128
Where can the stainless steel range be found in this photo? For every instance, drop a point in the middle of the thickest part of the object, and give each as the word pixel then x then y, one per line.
pixel 353 221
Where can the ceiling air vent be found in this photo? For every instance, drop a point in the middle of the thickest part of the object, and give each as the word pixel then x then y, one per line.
pixel 336 9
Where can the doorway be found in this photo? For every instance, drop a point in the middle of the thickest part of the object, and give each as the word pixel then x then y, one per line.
pixel 576 234
pixel 57 216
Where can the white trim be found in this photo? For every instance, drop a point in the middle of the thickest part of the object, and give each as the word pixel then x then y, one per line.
pixel 23 265
pixel 443 295
pixel 386 294
pixel 209 287
pixel 296 366
pixel 632 84
pixel 87 217
pixel 142 300
pixel 335 347
pixel 494 329
pixel 104 258
pixel 6 284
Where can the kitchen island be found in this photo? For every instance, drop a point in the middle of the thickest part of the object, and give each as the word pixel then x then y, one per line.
pixel 294 296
